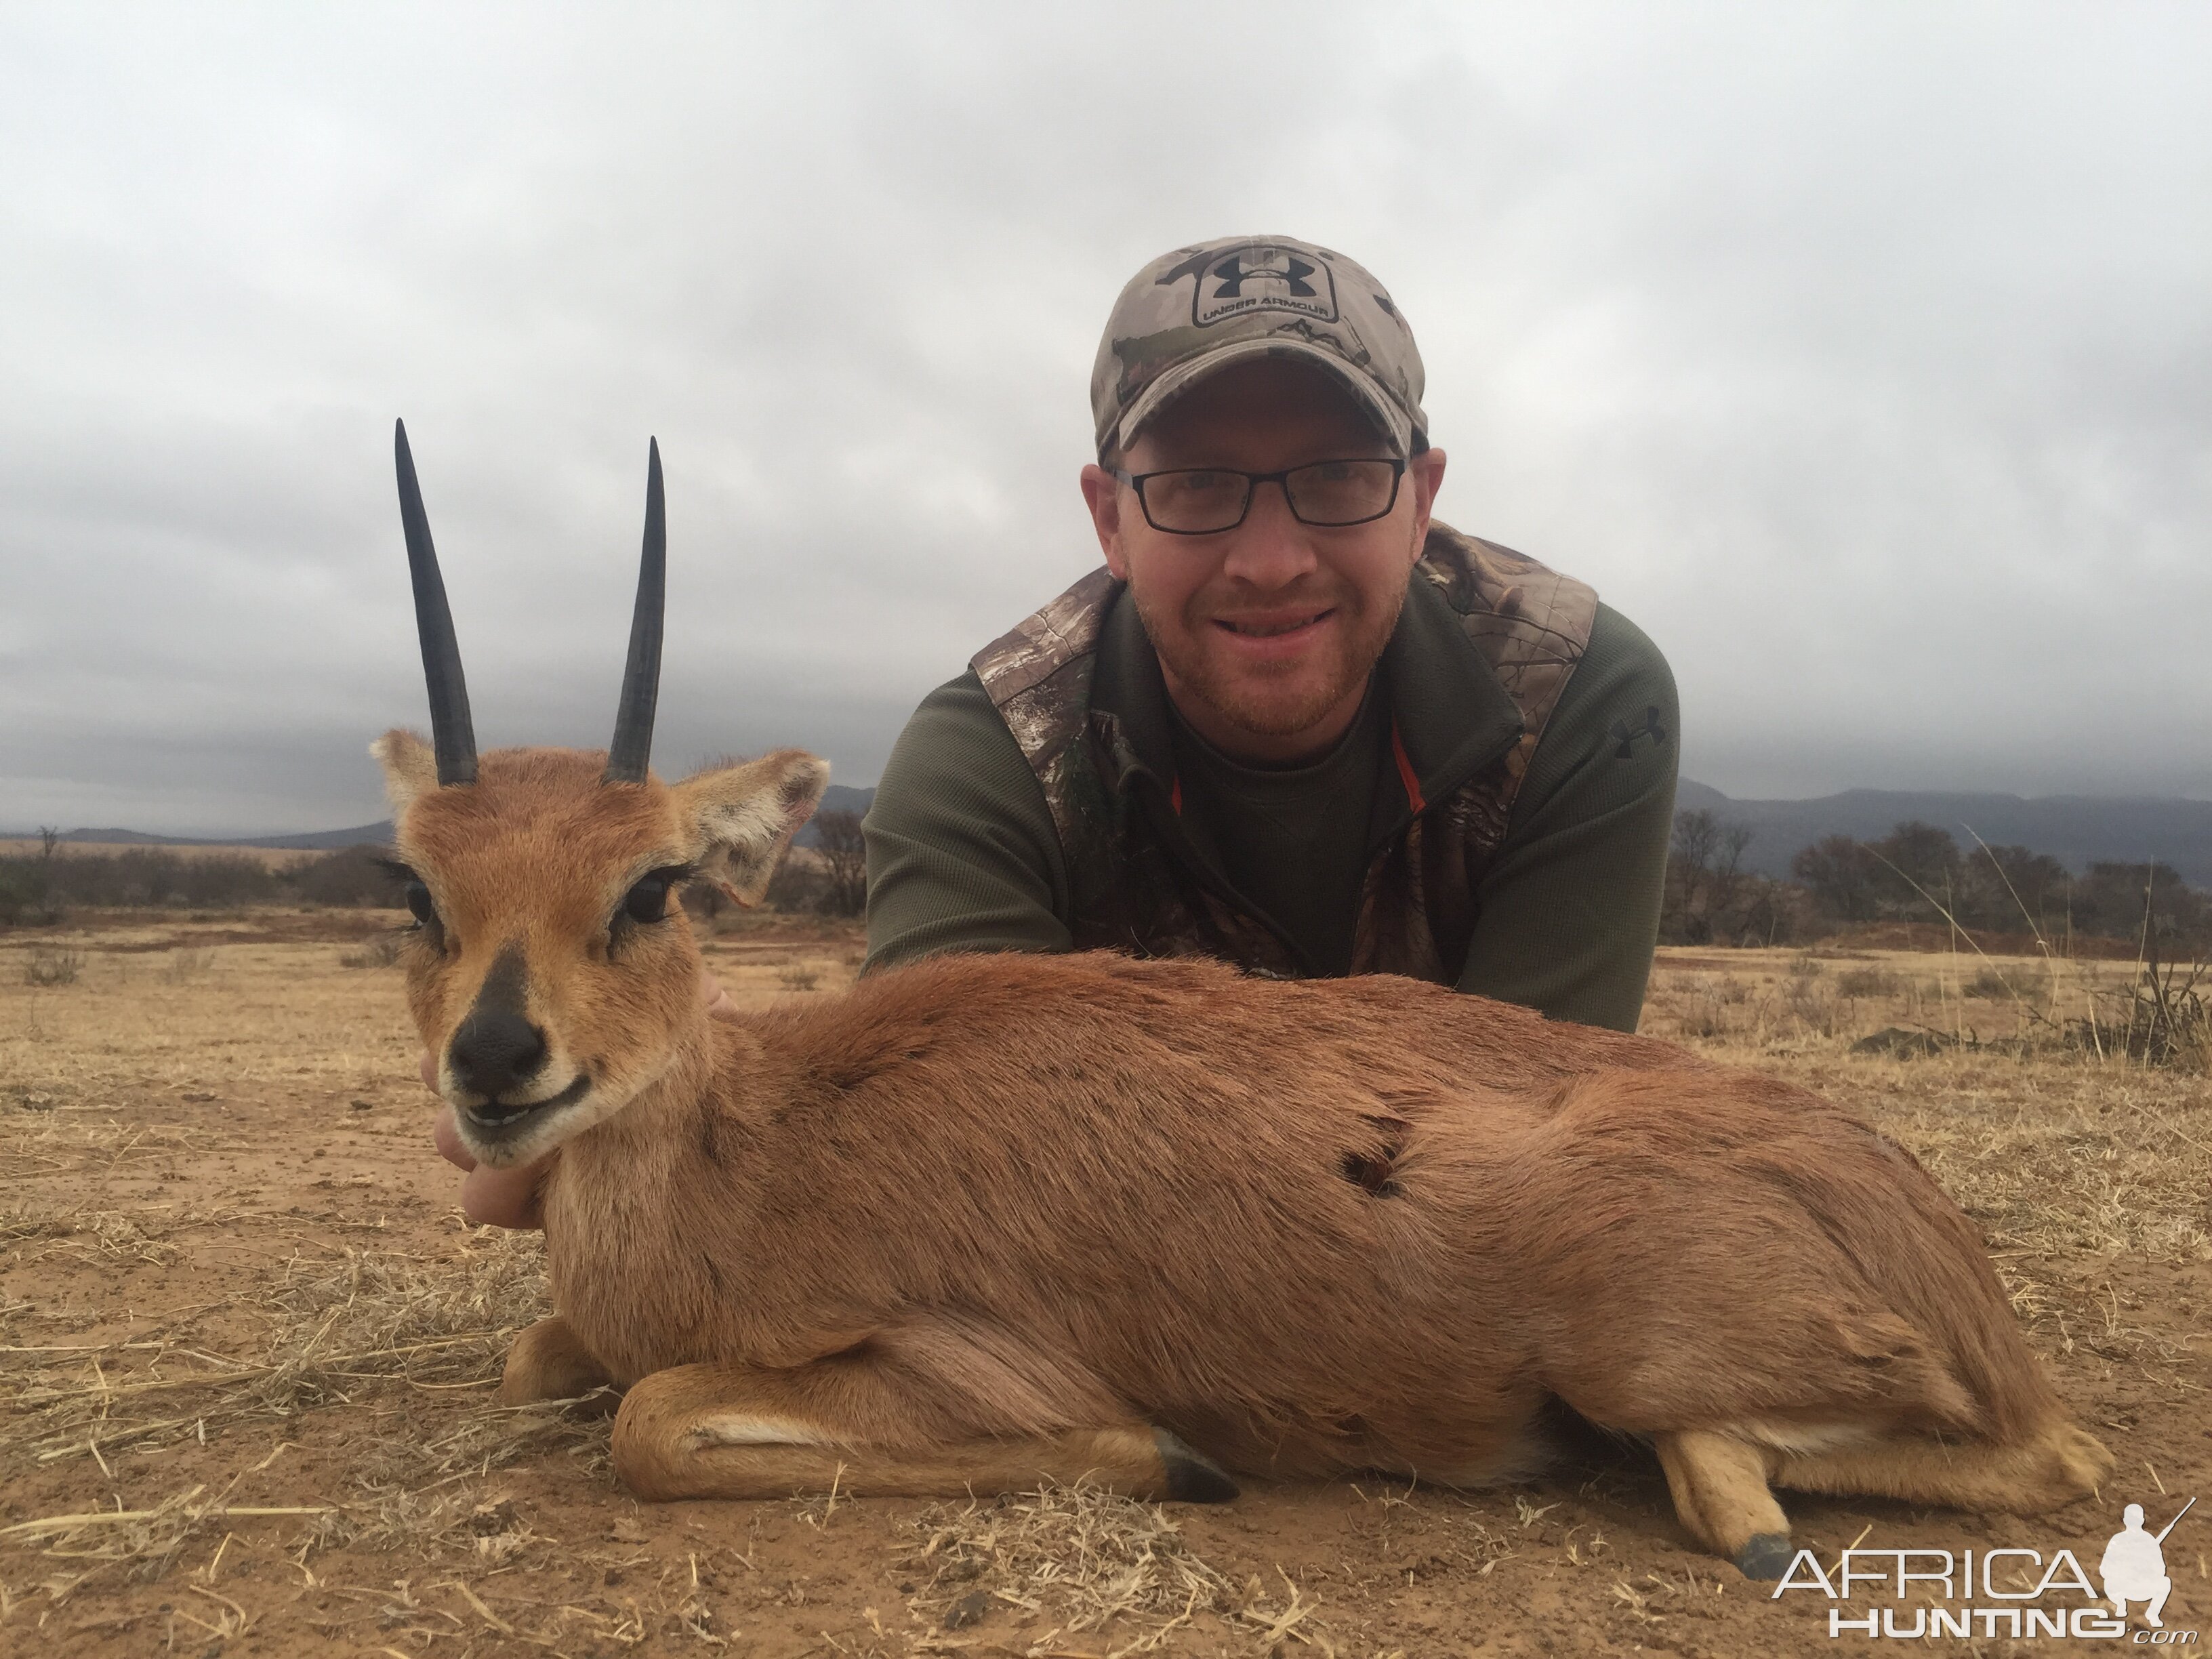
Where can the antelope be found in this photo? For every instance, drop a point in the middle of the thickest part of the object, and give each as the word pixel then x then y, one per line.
pixel 987 1220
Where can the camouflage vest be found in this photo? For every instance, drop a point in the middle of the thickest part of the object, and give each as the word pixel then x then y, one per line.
pixel 1128 889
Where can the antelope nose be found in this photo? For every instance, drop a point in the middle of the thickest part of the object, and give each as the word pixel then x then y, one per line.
pixel 495 1050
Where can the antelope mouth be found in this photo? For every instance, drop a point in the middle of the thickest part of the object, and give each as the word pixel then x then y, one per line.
pixel 506 1119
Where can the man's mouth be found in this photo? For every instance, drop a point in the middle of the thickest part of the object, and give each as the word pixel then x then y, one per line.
pixel 1271 627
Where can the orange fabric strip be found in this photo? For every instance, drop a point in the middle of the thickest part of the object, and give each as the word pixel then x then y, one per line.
pixel 1405 772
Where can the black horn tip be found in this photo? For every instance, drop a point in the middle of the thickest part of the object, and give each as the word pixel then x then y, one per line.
pixel 629 754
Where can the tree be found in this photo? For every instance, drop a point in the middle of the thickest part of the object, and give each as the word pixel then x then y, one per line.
pixel 1840 873
pixel 1919 870
pixel 2012 889
pixel 1704 879
pixel 845 862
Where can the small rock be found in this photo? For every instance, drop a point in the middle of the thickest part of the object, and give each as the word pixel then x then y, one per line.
pixel 1900 1042
pixel 626 1530
pixel 968 1610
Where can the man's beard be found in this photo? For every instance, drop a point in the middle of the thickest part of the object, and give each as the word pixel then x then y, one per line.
pixel 1274 700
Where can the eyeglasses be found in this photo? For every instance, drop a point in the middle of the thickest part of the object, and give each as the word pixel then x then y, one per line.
pixel 1206 500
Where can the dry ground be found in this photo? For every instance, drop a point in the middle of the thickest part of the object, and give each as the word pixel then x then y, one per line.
pixel 246 1342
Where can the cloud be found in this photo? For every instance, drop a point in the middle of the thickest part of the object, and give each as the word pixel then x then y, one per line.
pixel 1859 355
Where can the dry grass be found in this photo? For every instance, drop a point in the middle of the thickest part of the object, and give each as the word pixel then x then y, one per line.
pixel 2044 1142
pixel 370 1317
pixel 1085 1559
pixel 378 951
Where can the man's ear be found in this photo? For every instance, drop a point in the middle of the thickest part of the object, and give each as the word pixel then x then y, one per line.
pixel 1425 472
pixel 1102 495
pixel 741 817
pixel 411 769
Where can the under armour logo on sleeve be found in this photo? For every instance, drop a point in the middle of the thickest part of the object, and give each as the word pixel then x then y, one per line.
pixel 1622 734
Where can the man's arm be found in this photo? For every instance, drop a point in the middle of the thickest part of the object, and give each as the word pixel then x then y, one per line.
pixel 1570 907
pixel 961 855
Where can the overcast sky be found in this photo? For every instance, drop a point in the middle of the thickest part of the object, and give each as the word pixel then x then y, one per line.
pixel 1862 354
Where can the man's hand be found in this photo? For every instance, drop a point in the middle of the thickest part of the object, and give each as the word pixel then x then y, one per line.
pixel 509 1198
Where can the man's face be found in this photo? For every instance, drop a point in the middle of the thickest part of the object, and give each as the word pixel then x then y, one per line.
pixel 1266 633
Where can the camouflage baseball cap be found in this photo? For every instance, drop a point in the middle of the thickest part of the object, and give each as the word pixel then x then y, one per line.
pixel 1200 308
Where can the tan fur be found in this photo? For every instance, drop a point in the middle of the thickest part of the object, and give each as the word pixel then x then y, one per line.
pixel 984 1203
pixel 411 769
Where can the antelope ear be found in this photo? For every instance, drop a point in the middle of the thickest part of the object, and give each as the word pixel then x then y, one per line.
pixel 742 818
pixel 410 769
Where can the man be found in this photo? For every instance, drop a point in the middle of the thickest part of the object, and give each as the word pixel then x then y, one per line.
pixel 1293 722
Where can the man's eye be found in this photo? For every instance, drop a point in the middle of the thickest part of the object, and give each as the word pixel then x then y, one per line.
pixel 418 904
pixel 1197 483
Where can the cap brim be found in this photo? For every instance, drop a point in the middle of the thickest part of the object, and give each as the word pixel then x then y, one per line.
pixel 1391 420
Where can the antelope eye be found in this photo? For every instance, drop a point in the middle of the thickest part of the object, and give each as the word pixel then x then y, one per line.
pixel 648 900
pixel 418 903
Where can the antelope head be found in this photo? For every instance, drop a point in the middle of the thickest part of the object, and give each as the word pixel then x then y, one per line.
pixel 550 970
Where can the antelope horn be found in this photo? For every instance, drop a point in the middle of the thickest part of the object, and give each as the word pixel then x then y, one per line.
pixel 452 734
pixel 632 749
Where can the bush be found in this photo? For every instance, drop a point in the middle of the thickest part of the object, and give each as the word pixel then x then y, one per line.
pixel 352 876
pixel 23 892
pixel 844 854
pixel 51 967
pixel 1868 983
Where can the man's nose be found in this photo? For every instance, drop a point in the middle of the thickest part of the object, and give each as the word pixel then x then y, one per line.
pixel 1270 548
pixel 494 1050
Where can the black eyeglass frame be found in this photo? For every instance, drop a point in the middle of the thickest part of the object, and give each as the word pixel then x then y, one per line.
pixel 1252 482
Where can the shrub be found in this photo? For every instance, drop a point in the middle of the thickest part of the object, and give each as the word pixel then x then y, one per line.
pixel 1868 983
pixel 351 876
pixel 48 966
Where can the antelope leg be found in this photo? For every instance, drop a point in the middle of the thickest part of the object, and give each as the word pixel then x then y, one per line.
pixel 732 1431
pixel 548 1363
pixel 1719 1485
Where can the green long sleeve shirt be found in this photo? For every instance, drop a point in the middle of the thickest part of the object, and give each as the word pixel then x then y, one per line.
pixel 962 856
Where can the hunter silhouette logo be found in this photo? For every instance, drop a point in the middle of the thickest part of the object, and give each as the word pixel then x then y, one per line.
pixel 2134 1567
pixel 1261 277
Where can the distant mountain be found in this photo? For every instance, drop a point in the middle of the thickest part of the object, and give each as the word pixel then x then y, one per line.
pixel 313 840
pixel 2078 831
pixel 838 798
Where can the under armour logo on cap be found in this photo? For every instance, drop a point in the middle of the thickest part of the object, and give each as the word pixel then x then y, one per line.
pixel 1258 277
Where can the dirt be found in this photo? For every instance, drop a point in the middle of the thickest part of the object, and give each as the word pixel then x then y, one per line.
pixel 241 1319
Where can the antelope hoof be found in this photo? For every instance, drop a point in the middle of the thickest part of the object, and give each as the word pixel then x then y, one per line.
pixel 1192 1477
pixel 1766 1556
